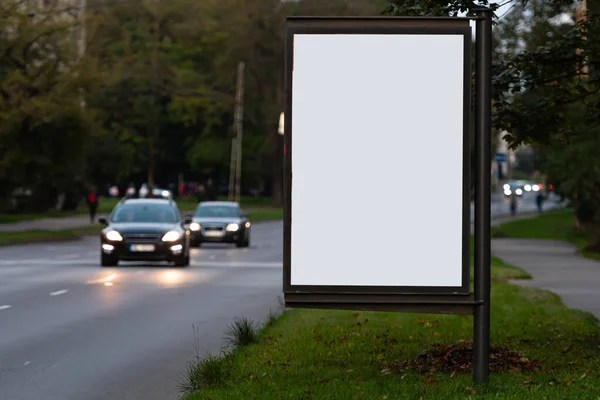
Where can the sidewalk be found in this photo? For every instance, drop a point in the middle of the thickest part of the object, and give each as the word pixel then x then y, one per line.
pixel 555 266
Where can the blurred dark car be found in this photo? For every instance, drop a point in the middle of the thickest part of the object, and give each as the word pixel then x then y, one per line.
pixel 145 230
pixel 219 222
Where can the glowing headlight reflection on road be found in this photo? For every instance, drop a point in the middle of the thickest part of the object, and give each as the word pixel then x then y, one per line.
pixel 232 227
pixel 114 236
pixel 171 236
pixel 171 277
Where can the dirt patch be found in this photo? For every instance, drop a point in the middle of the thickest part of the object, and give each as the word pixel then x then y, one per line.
pixel 459 357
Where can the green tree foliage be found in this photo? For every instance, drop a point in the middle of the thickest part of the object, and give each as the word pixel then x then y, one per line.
pixel 43 128
pixel 542 95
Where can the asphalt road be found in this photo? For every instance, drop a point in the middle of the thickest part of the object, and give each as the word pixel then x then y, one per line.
pixel 72 330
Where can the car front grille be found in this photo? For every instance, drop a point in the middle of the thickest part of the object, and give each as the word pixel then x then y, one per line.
pixel 142 237
pixel 213 229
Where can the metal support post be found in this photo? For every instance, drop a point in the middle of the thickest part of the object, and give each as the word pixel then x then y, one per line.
pixel 483 108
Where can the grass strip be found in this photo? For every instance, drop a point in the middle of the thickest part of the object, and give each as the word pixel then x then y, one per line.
pixel 549 352
pixel 557 225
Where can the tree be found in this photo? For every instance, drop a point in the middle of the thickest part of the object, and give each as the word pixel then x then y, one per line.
pixel 43 128
pixel 157 86
pixel 544 97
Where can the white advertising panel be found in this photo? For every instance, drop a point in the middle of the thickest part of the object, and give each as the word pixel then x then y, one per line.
pixel 377 147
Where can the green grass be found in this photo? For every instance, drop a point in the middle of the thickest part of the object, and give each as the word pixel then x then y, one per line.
pixel 7 238
pixel 105 206
pixel 556 225
pixel 341 355
pixel 40 235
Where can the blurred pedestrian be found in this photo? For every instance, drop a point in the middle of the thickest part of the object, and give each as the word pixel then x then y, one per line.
pixel 539 201
pixel 513 204
pixel 92 203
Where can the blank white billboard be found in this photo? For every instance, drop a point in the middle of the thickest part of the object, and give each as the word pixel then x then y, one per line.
pixel 377 160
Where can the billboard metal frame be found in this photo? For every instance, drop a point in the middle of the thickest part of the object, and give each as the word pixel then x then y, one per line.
pixel 435 300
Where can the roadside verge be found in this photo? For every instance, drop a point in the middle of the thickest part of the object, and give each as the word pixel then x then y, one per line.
pixel 541 349
pixel 41 236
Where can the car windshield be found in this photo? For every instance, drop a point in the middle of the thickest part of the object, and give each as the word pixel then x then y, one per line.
pixel 217 211
pixel 160 213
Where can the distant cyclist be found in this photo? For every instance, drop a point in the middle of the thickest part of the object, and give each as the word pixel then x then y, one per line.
pixel 513 204
pixel 539 200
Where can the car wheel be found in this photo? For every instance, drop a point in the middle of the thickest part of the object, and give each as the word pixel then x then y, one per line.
pixel 244 243
pixel 183 261
pixel 108 261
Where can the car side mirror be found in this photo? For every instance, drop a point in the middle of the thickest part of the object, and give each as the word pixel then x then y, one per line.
pixel 103 221
pixel 188 220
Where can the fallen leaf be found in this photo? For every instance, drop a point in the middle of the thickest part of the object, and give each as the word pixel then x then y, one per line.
pixel 582 376
pixel 355 315
pixel 473 392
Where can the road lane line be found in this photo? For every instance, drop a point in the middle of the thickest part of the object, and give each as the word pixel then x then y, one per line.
pixel 59 292
pixel 75 255
pixel 5 307
pixel 250 264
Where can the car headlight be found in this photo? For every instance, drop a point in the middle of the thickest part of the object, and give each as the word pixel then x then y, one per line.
pixel 171 236
pixel 113 236
pixel 232 227
pixel 194 226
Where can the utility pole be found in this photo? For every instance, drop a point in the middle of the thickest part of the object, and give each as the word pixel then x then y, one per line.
pixel 230 193
pixel 81 44
pixel 154 129
pixel 239 116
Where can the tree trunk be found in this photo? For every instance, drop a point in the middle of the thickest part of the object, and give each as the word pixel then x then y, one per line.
pixel 578 227
pixel 277 187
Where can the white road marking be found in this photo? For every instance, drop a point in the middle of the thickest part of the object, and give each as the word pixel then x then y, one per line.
pixel 255 264
pixel 212 257
pixel 50 248
pixel 58 292
pixel 71 255
pixel 5 307
pixel 27 362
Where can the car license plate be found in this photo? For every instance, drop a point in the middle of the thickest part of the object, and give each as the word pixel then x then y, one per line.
pixel 214 233
pixel 142 247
